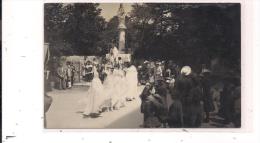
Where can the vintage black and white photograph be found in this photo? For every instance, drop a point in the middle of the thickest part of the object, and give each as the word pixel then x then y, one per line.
pixel 142 65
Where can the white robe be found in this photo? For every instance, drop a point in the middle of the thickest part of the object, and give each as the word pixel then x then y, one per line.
pixel 109 89
pixel 118 96
pixel 95 95
pixel 132 82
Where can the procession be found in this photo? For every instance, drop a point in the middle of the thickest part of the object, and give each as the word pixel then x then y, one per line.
pixel 121 88
pixel 111 86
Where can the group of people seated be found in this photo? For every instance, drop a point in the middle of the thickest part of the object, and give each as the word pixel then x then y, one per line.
pixel 192 98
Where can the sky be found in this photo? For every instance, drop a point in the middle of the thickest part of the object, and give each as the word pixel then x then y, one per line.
pixel 110 9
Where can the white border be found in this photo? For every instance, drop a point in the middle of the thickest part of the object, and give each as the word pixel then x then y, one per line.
pixel 22 84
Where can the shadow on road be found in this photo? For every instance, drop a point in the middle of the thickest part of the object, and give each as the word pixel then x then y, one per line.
pixel 130 120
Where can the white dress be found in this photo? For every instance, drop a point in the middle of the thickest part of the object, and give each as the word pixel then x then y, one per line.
pixel 117 89
pixel 108 89
pixel 95 95
pixel 132 82
pixel 122 87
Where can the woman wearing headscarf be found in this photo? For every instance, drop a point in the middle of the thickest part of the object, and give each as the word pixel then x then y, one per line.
pixel 144 97
pixel 183 87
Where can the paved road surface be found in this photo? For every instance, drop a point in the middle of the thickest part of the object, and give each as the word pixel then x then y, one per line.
pixel 66 113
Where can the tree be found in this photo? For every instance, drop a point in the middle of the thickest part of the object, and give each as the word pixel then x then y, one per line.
pixel 53 27
pixel 73 28
pixel 140 29
pixel 188 33
pixel 109 36
pixel 52 21
pixel 83 28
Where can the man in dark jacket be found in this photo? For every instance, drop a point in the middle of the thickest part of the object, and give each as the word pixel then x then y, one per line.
pixel 207 98
pixel 161 89
pixel 195 110
pixel 73 72
pixel 152 108
pixel 175 115
pixel 61 77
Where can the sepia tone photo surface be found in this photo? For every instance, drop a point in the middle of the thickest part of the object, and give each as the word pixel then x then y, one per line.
pixel 142 65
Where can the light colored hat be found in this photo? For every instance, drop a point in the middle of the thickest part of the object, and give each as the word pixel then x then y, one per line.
pixel 147 84
pixel 186 70
pixel 206 71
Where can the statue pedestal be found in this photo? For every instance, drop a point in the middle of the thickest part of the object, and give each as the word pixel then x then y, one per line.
pixel 124 57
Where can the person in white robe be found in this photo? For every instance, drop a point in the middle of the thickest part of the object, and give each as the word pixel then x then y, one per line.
pixel 122 87
pixel 94 97
pixel 118 94
pixel 114 55
pixel 109 89
pixel 132 83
